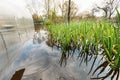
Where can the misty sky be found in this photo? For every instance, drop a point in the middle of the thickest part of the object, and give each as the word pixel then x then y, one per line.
pixel 14 8
pixel 18 7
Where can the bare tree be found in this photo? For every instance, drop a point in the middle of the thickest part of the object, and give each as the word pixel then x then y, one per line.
pixel 50 7
pixel 47 8
pixel 68 9
pixel 109 7
pixel 61 7
pixel 93 11
pixel 33 6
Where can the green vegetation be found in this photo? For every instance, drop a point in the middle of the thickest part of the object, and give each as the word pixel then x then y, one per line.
pixel 89 38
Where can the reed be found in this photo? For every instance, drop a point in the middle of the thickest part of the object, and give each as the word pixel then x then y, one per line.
pixel 89 38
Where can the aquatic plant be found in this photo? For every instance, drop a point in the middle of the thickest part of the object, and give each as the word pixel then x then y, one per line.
pixel 90 39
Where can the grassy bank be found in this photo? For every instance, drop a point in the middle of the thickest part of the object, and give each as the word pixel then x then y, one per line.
pixel 89 38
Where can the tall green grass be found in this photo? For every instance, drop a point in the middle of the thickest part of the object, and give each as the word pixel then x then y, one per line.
pixel 89 38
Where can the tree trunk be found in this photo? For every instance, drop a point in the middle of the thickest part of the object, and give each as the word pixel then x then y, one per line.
pixel 69 11
pixel 48 12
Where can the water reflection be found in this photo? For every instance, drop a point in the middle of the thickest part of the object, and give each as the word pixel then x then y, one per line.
pixel 12 38
pixel 40 36
pixel 42 62
pixel 39 60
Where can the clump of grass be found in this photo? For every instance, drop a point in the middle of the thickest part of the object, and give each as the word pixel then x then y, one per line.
pixel 89 37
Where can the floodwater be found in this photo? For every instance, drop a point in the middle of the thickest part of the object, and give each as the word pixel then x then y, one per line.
pixel 41 62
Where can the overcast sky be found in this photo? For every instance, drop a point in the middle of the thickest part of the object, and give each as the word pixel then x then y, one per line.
pixel 14 8
pixel 18 7
pixel 85 5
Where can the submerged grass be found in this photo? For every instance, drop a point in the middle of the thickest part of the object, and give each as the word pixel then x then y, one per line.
pixel 89 38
